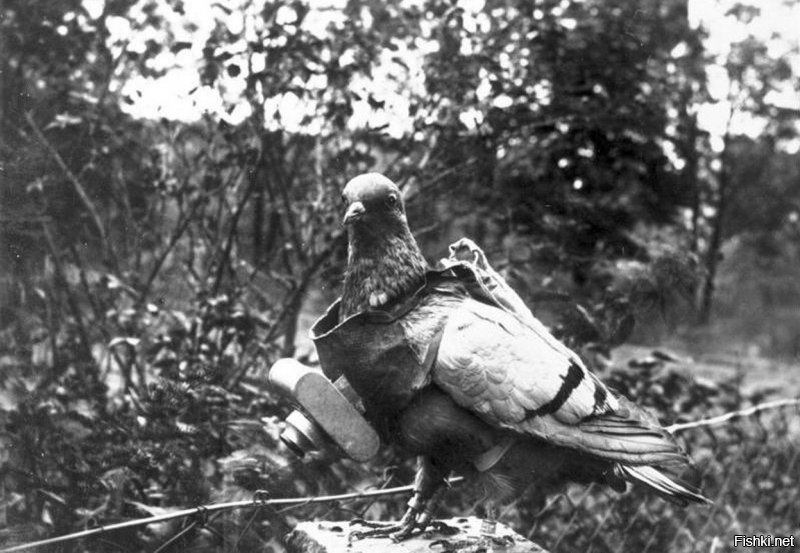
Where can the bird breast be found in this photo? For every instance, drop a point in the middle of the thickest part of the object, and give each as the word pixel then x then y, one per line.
pixel 385 358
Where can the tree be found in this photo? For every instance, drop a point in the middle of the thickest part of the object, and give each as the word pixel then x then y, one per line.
pixel 549 130
pixel 753 74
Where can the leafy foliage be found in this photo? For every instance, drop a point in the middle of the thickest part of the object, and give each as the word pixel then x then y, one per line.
pixel 734 464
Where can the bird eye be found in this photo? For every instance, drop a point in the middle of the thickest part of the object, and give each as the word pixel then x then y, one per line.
pixel 391 200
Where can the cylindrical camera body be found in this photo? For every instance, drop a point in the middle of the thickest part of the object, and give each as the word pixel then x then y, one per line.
pixel 329 413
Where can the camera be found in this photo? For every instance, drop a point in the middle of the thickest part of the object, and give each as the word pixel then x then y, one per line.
pixel 329 413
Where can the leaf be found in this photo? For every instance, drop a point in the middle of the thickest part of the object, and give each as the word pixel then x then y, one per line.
pixel 9 400
pixel 179 46
pixel 665 355
pixel 64 120
pixel 128 340
pixel 222 7
pixel 399 61
pixel 84 409
pixel 623 330
pixel 52 496
pixel 113 283
pixel 151 510
pixel 75 430
pixel 186 428
pixel 648 362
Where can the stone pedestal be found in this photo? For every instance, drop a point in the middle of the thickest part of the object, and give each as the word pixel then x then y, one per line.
pixel 334 537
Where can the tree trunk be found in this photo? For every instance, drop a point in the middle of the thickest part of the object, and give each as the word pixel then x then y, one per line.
pixel 292 319
pixel 713 257
pixel 690 174
pixel 713 254
pixel 258 225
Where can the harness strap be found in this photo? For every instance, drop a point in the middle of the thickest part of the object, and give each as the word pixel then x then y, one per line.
pixel 492 456
pixel 433 350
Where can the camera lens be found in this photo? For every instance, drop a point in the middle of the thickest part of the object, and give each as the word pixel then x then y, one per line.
pixel 301 435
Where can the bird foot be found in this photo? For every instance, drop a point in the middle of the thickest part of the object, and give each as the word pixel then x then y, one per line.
pixel 482 544
pixel 396 532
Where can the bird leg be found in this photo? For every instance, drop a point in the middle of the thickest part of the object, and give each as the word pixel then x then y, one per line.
pixel 428 486
pixel 489 523
pixel 489 537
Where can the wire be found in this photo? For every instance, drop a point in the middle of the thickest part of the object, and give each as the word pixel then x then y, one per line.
pixel 260 497
pixel 675 428
pixel 256 501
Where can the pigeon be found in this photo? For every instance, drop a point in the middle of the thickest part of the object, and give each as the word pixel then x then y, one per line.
pixel 505 403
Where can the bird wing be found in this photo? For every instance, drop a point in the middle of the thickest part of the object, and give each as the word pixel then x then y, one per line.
pixel 517 376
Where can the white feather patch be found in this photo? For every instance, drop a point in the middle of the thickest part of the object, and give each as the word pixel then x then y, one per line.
pixel 378 299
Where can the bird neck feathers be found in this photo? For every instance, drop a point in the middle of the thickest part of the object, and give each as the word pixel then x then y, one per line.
pixel 381 265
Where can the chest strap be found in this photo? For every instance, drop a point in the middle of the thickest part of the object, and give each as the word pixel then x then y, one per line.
pixel 492 456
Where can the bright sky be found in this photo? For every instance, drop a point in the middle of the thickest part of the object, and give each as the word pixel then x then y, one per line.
pixel 777 27
pixel 178 95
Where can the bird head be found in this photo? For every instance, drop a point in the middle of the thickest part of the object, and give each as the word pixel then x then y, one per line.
pixel 384 261
pixel 373 203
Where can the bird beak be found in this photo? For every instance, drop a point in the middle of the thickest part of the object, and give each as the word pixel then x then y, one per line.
pixel 354 211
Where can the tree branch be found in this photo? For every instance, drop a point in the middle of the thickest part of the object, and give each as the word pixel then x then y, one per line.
pixel 78 186
pixel 293 298
pixel 177 232
pixel 232 231
pixel 86 348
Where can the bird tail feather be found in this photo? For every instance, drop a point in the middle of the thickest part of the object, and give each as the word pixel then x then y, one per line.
pixel 623 440
pixel 668 488
pixel 629 436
